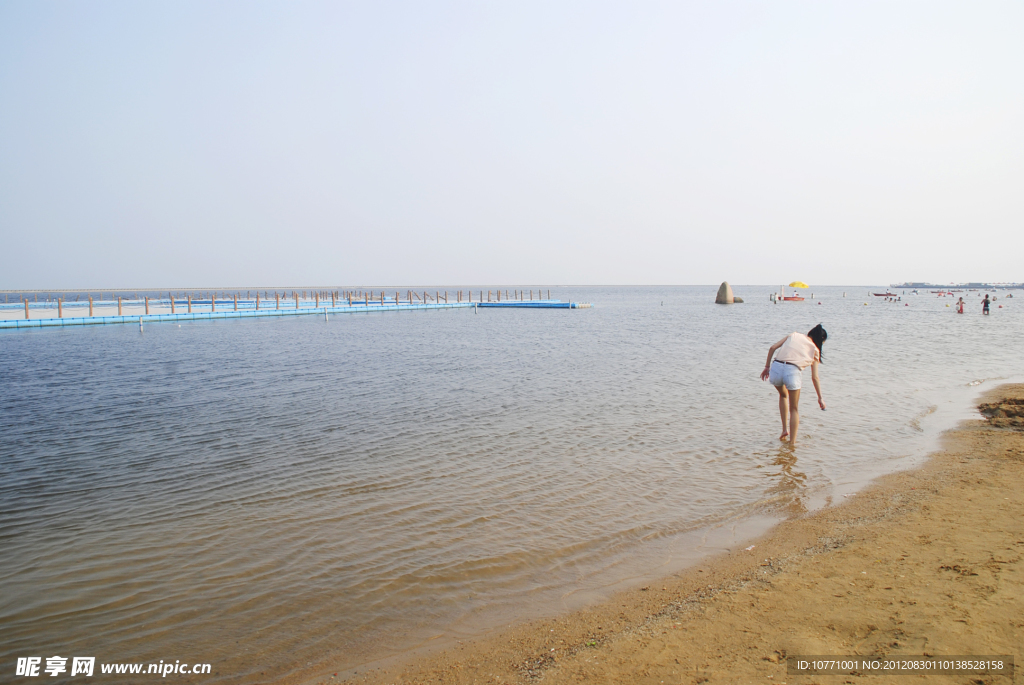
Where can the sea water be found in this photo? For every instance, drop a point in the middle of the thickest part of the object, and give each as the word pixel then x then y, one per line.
pixel 277 497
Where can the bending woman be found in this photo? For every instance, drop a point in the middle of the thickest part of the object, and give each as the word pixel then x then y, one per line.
pixel 795 353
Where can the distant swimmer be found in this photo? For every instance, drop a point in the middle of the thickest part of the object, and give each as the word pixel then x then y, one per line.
pixel 960 306
pixel 984 304
pixel 795 353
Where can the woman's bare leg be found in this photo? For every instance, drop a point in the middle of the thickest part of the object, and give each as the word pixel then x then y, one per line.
pixel 783 410
pixel 794 414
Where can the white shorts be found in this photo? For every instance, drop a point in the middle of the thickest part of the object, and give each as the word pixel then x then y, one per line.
pixel 786 374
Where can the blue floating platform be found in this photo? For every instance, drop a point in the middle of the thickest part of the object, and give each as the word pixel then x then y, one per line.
pixel 247 310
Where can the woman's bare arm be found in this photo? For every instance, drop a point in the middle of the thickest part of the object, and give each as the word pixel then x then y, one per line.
pixel 771 352
pixel 817 384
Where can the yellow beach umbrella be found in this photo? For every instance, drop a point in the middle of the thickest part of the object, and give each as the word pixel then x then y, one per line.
pixel 798 284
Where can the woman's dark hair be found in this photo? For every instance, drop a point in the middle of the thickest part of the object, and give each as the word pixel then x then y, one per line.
pixel 818 336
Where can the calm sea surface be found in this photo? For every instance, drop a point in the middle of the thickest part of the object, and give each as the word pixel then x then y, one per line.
pixel 279 497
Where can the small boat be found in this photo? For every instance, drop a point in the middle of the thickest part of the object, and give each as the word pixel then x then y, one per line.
pixel 885 294
pixel 795 297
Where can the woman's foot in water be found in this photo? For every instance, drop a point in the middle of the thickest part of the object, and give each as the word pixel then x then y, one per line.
pixel 784 436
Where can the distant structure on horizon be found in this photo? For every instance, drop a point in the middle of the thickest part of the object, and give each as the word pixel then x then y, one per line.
pixel 989 286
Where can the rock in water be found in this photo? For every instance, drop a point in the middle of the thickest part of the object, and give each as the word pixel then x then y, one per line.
pixel 737 300
pixel 724 294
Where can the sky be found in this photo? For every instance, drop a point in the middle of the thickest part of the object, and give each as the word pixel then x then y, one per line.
pixel 230 144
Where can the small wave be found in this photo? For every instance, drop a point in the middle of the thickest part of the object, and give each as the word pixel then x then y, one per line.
pixel 915 422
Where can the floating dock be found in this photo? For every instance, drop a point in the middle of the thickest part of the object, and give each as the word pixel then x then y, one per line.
pixel 59 313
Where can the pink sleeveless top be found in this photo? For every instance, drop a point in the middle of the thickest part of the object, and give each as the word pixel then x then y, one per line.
pixel 798 349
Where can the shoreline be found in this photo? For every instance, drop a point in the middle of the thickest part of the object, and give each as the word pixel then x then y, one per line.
pixel 925 561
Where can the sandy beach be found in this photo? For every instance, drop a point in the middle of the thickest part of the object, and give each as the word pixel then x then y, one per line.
pixel 926 562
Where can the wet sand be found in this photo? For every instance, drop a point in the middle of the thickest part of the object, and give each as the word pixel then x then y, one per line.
pixel 922 562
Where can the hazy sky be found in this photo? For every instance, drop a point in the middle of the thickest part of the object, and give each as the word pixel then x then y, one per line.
pixel 186 144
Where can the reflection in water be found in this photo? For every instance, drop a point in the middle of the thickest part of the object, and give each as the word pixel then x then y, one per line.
pixel 788 491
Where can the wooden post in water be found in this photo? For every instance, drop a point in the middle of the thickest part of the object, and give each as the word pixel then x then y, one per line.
pixel 257 300
pixel 317 296
pixel 147 305
pixel 549 293
pixel 236 302
pixel 90 305
pixel 213 302
pixel 172 302
pixel 60 309
pixel 26 307
pixel 334 300
pixel 119 305
pixel 189 296
pixel 296 300
pixel 366 300
pixel 277 300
